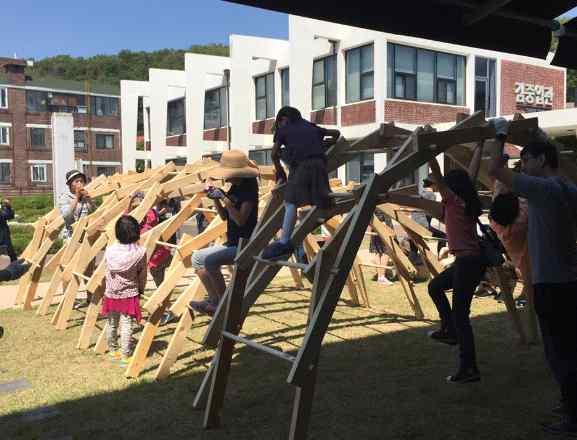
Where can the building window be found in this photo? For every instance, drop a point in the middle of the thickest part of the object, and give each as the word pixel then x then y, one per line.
pixel 325 82
pixel 107 171
pixel 360 78
pixel 485 85
pixel 37 137
pixel 213 156
pixel 215 108
pixel 66 102
pixel 424 75
pixel 176 117
pixel 4 135
pixel 104 141
pixel 80 140
pixel 38 173
pixel 104 106
pixel 5 172
pixel 361 167
pixel 141 164
pixel 36 101
pixel 261 156
pixel 264 86
pixel 284 86
pixel 3 97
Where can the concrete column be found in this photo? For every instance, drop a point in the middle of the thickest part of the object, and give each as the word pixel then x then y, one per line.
pixel 62 151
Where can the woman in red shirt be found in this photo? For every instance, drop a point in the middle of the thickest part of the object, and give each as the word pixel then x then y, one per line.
pixel 461 209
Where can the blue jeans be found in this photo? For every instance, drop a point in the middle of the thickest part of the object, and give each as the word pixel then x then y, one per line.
pixel 213 257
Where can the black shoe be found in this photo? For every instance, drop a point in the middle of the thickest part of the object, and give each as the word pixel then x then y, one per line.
pixel 465 376
pixel 167 318
pixel 559 411
pixel 442 336
pixel 278 251
pixel 564 427
pixel 17 269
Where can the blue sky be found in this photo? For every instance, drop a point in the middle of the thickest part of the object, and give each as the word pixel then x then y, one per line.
pixel 41 28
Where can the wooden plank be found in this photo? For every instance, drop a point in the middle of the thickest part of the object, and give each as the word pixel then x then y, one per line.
pixel 55 282
pixel 102 342
pixel 90 319
pixel 175 346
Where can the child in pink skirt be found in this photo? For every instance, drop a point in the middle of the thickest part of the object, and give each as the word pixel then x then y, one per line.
pixel 125 281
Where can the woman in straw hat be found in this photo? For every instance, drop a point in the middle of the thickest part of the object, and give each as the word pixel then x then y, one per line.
pixel 239 207
pixel 308 182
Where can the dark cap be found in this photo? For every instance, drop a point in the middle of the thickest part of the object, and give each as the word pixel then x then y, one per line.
pixel 72 174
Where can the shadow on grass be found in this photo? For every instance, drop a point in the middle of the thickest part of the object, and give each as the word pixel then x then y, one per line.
pixel 390 385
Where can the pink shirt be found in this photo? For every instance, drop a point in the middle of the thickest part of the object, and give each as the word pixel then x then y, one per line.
pixel 461 229
pixel 514 239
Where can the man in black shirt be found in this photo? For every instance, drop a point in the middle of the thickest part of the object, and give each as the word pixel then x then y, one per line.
pixel 239 208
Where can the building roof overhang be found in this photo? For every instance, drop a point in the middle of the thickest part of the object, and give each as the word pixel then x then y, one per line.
pixel 514 26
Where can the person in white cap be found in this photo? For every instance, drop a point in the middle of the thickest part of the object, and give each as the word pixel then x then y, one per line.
pixel 75 204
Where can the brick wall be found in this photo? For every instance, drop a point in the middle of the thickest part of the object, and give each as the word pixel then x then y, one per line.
pixel 81 120
pixel 176 141
pixel 215 134
pixel 326 116
pixel 357 114
pixel 421 113
pixel 263 127
pixel 512 72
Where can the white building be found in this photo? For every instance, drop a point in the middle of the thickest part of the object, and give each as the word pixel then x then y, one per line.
pixel 337 76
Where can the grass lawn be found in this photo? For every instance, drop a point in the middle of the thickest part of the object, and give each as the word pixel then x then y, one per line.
pixel 379 378
pixel 28 209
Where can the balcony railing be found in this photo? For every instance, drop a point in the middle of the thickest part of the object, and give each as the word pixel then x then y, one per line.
pixel 81 147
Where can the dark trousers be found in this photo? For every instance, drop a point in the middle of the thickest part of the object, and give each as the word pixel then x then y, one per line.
pixel 463 277
pixel 556 308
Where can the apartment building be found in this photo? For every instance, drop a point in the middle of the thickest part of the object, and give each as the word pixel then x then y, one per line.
pixel 26 138
pixel 340 77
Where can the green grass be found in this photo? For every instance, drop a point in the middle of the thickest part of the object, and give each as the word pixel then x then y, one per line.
pixel 22 235
pixel 379 377
pixel 28 209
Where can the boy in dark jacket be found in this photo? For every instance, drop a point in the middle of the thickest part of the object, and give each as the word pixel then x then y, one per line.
pixel 6 213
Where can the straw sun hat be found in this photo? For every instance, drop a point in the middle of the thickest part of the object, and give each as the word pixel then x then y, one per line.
pixel 234 163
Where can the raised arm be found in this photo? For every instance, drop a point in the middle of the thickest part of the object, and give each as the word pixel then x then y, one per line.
pixel 437 178
pixel 432 207
pixel 475 164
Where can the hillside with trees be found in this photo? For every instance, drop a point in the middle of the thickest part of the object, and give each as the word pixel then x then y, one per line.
pixel 126 64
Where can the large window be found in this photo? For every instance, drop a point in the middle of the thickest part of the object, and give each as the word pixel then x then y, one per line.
pixel 4 135
pixel 36 101
pixel 106 170
pixel 38 173
pixel 104 141
pixel 284 86
pixel 66 102
pixel 80 140
pixel 104 106
pixel 261 156
pixel 5 172
pixel 361 167
pixel 3 97
pixel 176 117
pixel 424 75
pixel 485 93
pixel 264 96
pixel 325 82
pixel 360 78
pixel 215 108
pixel 38 137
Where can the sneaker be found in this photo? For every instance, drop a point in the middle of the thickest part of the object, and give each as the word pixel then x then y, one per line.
pixel 442 336
pixel 167 318
pixel 564 427
pixel 465 376
pixel 125 360
pixel 559 411
pixel 278 250
pixel 384 281
pixel 79 304
pixel 205 307
pixel 114 356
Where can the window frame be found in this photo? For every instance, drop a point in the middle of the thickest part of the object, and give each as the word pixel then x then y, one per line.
pixel 363 160
pixel 362 74
pixel 324 82
pixel 222 117
pixel 84 147
pixel 170 127
pixel 284 97
pixel 269 113
pixel 32 144
pixel 42 166
pixel 105 106
pixel 43 108
pixel 6 130
pixel 257 153
pixel 490 88
pixel 109 167
pixel 4 92
pixel 394 76
pixel 106 135
pixel 9 180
